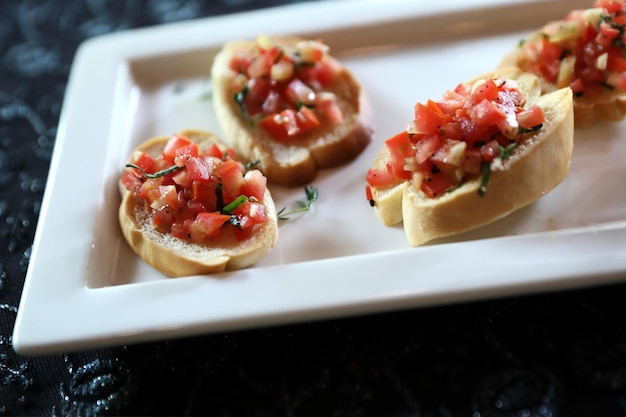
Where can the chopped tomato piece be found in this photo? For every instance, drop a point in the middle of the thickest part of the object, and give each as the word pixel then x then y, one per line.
pixel 380 177
pixel 185 200
pixel 207 225
pixel 232 178
pixel 254 184
pixel 531 117
pixel 198 169
pixel 175 142
pixel 427 120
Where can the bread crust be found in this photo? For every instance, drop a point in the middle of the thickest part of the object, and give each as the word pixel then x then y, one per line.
pixel 534 168
pixel 176 257
pixel 296 162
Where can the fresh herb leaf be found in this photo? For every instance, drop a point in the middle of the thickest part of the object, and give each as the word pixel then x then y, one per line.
pixel 252 164
pixel 532 129
pixel 506 152
pixel 157 174
pixel 311 196
pixel 228 208
pixel 484 179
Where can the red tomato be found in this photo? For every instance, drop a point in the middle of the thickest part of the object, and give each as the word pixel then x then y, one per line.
pixel 436 185
pixel 426 147
pixel 531 117
pixel 198 170
pixel 380 177
pixel 205 193
pixel 206 225
pixel 175 142
pixel 231 177
pixel 400 148
pixel 486 113
pixel 427 120
pixel 254 184
pixel 131 181
pixel 485 91
pixel 213 151
pixel 183 153
pixel 306 119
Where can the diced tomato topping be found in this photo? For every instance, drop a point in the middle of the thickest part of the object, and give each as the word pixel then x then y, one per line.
pixel 585 52
pixel 184 153
pixel 436 185
pixel 188 197
pixel 283 88
pixel 400 148
pixel 380 177
pixel 531 117
pixel 427 118
pixel 450 140
pixel 198 170
pixel 232 177
pixel 254 184
pixel 175 142
pixel 207 225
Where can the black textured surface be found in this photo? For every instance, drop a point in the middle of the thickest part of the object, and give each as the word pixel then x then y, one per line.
pixel 558 354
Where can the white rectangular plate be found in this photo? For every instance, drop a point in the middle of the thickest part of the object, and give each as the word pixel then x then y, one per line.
pixel 85 288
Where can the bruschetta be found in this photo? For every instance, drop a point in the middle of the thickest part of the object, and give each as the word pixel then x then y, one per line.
pixel 286 103
pixel 189 207
pixel 585 51
pixel 488 147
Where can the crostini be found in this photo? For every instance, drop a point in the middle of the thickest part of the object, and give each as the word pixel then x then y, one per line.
pixel 287 104
pixel 585 51
pixel 488 147
pixel 189 207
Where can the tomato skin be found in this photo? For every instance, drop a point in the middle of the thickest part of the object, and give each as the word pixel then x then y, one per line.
pixel 231 177
pixel 531 117
pixel 254 185
pixel 486 113
pixel 206 225
pixel 289 123
pixel 174 143
pixel 485 91
pixel 380 177
pixel 436 185
pixel 198 169
pixel 400 148
pixel 427 120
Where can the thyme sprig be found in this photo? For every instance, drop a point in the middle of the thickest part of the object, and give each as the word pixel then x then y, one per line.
pixel 311 196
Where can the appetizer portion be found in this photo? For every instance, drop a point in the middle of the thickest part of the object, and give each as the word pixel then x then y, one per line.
pixel 485 149
pixel 586 51
pixel 288 104
pixel 189 207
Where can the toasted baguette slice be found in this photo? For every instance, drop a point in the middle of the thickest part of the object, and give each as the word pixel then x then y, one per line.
pixel 534 168
pixel 176 257
pixel 607 106
pixel 295 162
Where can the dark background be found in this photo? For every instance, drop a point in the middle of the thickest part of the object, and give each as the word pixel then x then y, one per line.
pixel 558 354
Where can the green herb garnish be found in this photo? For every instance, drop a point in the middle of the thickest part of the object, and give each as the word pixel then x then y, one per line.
pixel 311 195
pixel 484 179
pixel 157 174
pixel 228 208
pixel 252 164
